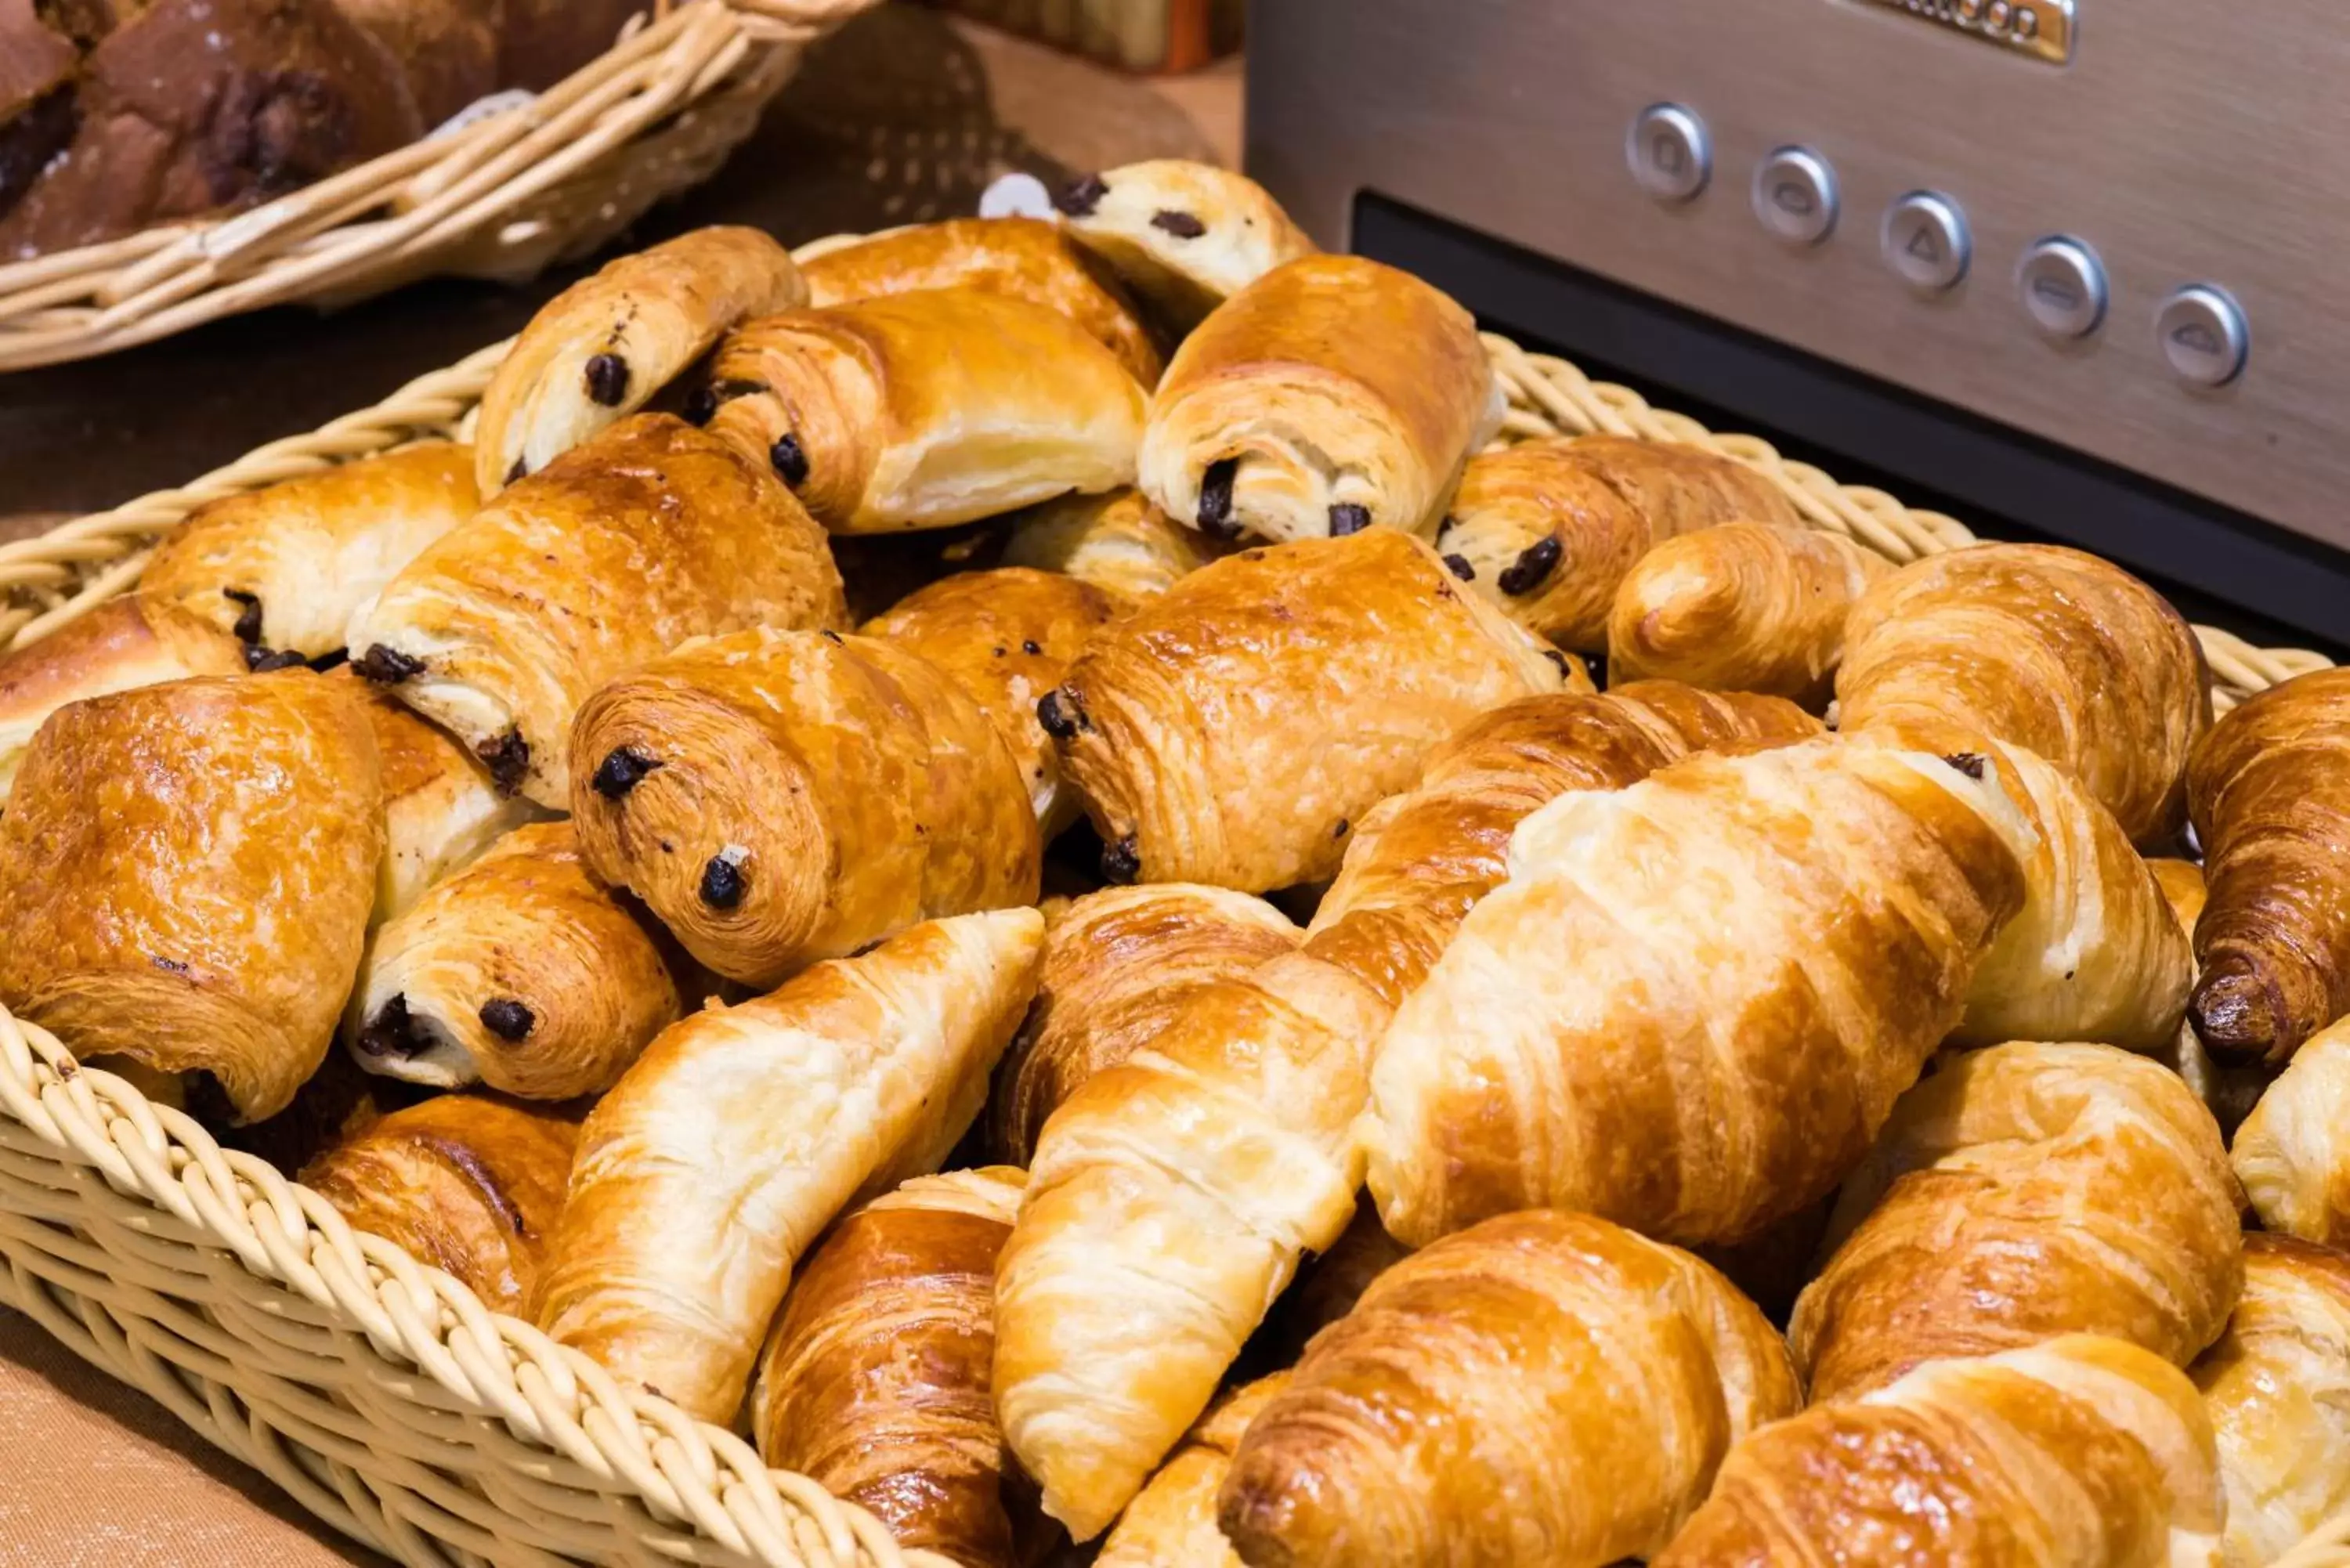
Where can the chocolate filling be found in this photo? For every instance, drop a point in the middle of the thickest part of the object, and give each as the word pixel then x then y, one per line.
pixel 508 759
pixel 621 771
pixel 721 883
pixel 1182 225
pixel 333 659
pixel 1031 647
pixel 790 462
pixel 386 665
pixel 1216 499
pixel 1340 831
pixel 1460 568
pixel 1120 862
pixel 261 660
pixel 168 965
pixel 1533 567
pixel 506 1019
pixel 1062 714
pixel 1968 763
pixel 702 403
pixel 1080 196
pixel 608 380
pixel 390 1032
pixel 1348 518
pixel 1556 657
pixel 248 620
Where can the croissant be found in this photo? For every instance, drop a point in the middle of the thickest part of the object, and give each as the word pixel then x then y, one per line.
pixel 1116 541
pixel 2270 788
pixel 1474 1403
pixel 521 972
pixel 924 410
pixel 1186 236
pixel 1729 1037
pixel 1548 530
pixel 2043 648
pixel 2020 1193
pixel 873 1384
pixel 1171 1523
pixel 190 868
pixel 2082 1452
pixel 742 1131
pixel 2228 1092
pixel 1120 966
pixel 602 347
pixel 440 807
pixel 2293 1152
pixel 500 630
pixel 2277 1384
pixel 779 797
pixel 1022 257
pixel 466 1183
pixel 1741 606
pixel 284 568
pixel 1330 394
pixel 121 645
pixel 1006 637
pixel 1234 729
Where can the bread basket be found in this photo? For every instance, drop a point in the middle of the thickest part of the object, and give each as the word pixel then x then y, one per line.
pixel 381 1393
pixel 501 196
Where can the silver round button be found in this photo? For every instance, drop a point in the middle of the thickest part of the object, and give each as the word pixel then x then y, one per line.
pixel 1795 195
pixel 1670 152
pixel 1926 241
pixel 2063 285
pixel 2204 335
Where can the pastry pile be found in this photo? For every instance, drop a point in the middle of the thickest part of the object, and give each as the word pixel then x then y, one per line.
pixel 994 858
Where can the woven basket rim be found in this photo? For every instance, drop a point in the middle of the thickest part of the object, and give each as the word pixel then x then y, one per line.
pixel 691 1475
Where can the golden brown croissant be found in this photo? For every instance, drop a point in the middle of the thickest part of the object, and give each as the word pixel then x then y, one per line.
pixel 118 647
pixel 285 568
pixel 467 1183
pixel 1006 637
pixel 602 347
pixel 742 1131
pixel 189 869
pixel 2269 790
pixel 2293 1152
pixel 875 1382
pixel 1119 965
pixel 2079 1453
pixel 1116 541
pixel 440 807
pixel 1186 236
pixel 2023 1192
pixel 1022 257
pixel 2044 647
pixel 502 629
pixel 2277 1384
pixel 1234 729
pixel 1741 606
pixel 521 972
pixel 1549 529
pixel 1331 394
pixel 1171 1523
pixel 1476 1403
pixel 2229 1091
pixel 780 798
pixel 920 410
pixel 1730 1036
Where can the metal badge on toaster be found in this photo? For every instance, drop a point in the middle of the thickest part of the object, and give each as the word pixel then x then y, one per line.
pixel 2042 28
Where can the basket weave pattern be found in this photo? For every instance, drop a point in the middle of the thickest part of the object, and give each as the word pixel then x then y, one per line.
pixel 501 197
pixel 381 1393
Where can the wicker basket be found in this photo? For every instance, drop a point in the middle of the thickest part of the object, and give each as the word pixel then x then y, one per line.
pixel 503 196
pixel 381 1393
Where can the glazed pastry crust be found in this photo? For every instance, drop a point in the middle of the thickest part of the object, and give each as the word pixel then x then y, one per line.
pixel 1549 530
pixel 800 794
pixel 1234 729
pixel 1120 965
pixel 521 972
pixel 875 1382
pixel 121 645
pixel 2292 1153
pixel 2044 647
pixel 1742 606
pixel 650 534
pixel 2020 1193
pixel 1119 542
pixel 601 348
pixel 190 868
pixel 285 568
pixel 2269 790
pixel 440 807
pixel 1006 637
pixel 740 1133
pixel 1024 258
pixel 1330 382
pixel 2083 1450
pixel 1474 1402
pixel 465 1183
pixel 1730 1039
pixel 926 410
pixel 1171 1523
pixel 2277 1384
pixel 1186 236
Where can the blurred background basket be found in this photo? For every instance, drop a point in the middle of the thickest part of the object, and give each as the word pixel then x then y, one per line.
pixel 498 194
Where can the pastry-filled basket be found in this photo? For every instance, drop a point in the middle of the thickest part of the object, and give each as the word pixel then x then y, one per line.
pixel 382 1393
